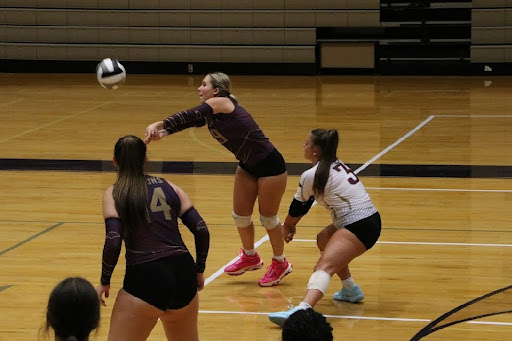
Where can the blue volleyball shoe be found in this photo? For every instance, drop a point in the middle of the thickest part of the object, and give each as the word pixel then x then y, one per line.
pixel 354 294
pixel 280 317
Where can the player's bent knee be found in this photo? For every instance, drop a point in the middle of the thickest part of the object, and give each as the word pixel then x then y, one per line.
pixel 241 221
pixel 269 223
pixel 319 280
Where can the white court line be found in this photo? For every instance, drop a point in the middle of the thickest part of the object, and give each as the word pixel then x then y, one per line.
pixel 477 116
pixel 372 318
pixel 446 244
pixel 221 270
pixel 333 316
pixel 53 122
pixel 397 142
pixel 493 323
pixel 424 243
pixel 441 189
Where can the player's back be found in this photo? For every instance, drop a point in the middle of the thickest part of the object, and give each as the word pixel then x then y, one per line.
pixel 161 237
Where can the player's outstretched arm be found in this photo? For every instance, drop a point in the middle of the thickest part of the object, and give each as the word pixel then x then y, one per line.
pixel 155 131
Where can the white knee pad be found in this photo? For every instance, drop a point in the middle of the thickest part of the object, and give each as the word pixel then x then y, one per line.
pixel 241 221
pixel 319 280
pixel 269 223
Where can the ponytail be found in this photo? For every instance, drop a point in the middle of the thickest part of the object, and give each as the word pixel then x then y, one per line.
pixel 130 191
pixel 327 142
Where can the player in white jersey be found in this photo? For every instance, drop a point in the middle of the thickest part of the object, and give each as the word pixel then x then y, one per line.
pixel 356 222
pixel 344 195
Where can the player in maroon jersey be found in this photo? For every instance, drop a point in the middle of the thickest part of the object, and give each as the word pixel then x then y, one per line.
pixel 261 172
pixel 161 279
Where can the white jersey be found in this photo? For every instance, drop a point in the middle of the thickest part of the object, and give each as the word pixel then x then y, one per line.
pixel 344 195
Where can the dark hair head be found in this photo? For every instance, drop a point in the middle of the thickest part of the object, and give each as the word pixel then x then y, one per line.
pixel 130 190
pixel 222 82
pixel 73 309
pixel 307 325
pixel 130 153
pixel 327 143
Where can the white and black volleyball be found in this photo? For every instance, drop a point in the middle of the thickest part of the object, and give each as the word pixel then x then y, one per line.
pixel 110 73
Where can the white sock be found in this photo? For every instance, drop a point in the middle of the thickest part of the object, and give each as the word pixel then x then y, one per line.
pixel 348 283
pixel 251 252
pixel 280 259
pixel 304 305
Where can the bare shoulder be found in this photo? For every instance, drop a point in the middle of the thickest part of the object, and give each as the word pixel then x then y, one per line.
pixel 221 105
pixel 174 186
pixel 109 205
pixel 108 192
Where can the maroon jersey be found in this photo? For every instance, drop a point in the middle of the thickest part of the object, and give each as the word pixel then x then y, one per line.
pixel 237 131
pixel 161 237
pixel 241 135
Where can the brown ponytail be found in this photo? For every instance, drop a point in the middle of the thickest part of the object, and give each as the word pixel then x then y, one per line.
pixel 130 191
pixel 327 142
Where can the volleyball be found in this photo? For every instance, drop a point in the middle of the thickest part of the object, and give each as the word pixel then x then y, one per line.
pixel 110 73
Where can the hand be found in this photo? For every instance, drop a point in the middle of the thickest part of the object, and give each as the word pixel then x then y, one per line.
pixel 155 132
pixel 200 281
pixel 288 232
pixel 103 289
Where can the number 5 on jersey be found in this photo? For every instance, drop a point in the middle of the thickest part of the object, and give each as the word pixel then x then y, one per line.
pixel 352 177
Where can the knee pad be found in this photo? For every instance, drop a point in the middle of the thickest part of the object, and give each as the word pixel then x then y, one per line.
pixel 269 223
pixel 241 221
pixel 319 280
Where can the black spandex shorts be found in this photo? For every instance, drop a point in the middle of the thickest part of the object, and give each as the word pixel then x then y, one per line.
pixel 272 165
pixel 166 283
pixel 367 230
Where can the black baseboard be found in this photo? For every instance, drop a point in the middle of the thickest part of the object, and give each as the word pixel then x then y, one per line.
pixel 382 68
pixel 491 69
pixel 62 66
pixel 347 71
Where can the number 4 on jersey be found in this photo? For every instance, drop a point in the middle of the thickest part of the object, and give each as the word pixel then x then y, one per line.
pixel 159 203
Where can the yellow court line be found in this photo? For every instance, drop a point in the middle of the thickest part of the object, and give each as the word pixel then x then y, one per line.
pixel 11 102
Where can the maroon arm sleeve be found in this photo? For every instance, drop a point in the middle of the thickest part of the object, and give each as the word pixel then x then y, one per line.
pixel 111 249
pixel 195 117
pixel 197 226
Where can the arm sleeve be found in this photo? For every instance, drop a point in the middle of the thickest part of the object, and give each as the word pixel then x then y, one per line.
pixel 299 208
pixel 195 117
pixel 111 249
pixel 197 226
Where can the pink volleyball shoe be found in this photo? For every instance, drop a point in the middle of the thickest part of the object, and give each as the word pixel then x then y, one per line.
pixel 244 263
pixel 275 273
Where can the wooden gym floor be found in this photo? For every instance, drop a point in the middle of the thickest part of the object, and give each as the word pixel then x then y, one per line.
pixel 433 152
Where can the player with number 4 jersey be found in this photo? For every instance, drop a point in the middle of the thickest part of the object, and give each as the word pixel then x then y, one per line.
pixel 162 279
pixel 261 172
pixel 356 222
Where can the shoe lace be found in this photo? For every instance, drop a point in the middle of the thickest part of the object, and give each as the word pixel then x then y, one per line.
pixel 271 271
